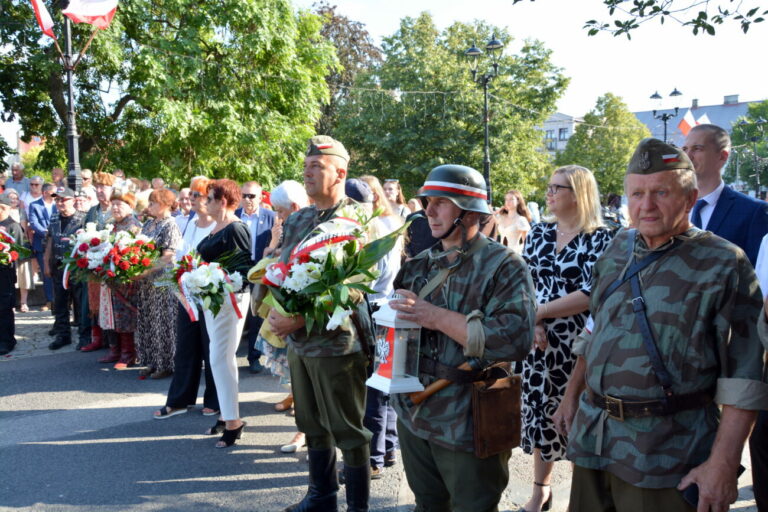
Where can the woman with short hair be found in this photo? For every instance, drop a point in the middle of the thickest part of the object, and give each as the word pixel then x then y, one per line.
pixel 560 253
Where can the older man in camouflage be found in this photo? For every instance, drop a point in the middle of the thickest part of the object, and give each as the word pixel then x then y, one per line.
pixel 675 316
pixel 328 368
pixel 480 309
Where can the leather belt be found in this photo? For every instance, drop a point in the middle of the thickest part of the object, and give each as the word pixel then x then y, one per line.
pixel 443 371
pixel 619 409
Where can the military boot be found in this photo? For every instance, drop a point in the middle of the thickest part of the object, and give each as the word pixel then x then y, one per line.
pixel 358 482
pixel 323 486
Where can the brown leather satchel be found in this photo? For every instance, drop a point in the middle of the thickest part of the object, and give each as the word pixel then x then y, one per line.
pixel 496 415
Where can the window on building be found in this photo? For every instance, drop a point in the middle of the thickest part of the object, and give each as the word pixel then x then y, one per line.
pixel 551 144
pixel 550 135
pixel 563 134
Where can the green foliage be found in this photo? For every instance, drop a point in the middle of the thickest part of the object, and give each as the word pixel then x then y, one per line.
pixel 5 151
pixel 404 134
pixel 700 16
pixel 605 142
pixel 749 147
pixel 175 88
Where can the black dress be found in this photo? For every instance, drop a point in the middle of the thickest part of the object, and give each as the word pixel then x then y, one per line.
pixel 233 239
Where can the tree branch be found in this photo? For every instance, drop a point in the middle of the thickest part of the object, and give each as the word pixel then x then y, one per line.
pixel 120 106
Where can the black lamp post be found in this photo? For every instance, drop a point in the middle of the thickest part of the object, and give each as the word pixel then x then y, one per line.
pixel 494 49
pixel 665 117
pixel 755 139
pixel 74 179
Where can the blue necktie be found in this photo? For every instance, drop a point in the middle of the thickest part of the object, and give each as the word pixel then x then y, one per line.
pixel 696 214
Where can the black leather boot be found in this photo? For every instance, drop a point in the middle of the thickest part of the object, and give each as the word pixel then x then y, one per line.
pixel 358 483
pixel 323 485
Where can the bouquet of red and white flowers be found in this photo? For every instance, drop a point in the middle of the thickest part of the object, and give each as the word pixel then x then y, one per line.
pixel 10 249
pixel 201 284
pixel 129 257
pixel 89 248
pixel 327 270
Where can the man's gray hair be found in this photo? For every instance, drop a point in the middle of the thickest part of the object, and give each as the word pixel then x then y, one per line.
pixel 685 177
pixel 17 165
pixel 288 193
pixel 48 187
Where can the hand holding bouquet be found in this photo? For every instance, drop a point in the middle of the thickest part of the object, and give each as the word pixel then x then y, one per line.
pixel 10 249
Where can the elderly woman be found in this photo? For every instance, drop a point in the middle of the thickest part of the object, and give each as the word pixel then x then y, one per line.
pixel 156 326
pixel 191 337
pixel 560 254
pixel 286 198
pixel 117 303
pixel 231 238
pixel 24 275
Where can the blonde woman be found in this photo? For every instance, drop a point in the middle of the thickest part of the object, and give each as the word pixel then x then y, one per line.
pixel 560 253
pixel 513 221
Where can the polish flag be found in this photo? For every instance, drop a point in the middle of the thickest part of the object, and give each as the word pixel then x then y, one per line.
pixel 43 18
pixel 98 13
pixel 703 120
pixel 687 123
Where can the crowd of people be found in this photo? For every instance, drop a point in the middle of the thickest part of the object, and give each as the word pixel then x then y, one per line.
pixel 638 332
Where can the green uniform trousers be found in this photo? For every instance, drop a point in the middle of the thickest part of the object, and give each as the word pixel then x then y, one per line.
pixel 329 393
pixel 445 480
pixel 593 490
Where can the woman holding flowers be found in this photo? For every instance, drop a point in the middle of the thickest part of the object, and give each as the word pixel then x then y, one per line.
pixel 156 326
pixel 229 244
pixel 117 305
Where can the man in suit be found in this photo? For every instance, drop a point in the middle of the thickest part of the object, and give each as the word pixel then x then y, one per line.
pixel 732 215
pixel 260 220
pixel 40 213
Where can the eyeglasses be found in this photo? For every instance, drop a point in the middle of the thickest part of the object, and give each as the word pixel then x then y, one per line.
pixel 249 196
pixel 553 188
pixel 196 194
pixel 35 184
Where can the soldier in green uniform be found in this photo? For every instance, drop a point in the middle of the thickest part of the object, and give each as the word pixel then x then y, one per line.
pixel 481 309
pixel 328 368
pixel 675 316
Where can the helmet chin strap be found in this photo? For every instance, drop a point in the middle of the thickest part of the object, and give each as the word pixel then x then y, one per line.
pixel 453 227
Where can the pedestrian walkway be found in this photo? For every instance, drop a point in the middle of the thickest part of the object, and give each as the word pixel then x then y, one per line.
pixel 85 436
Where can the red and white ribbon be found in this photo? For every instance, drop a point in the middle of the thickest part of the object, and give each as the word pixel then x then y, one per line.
pixel 186 299
pixel 233 298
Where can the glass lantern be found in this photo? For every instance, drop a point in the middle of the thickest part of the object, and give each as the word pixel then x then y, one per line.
pixel 396 367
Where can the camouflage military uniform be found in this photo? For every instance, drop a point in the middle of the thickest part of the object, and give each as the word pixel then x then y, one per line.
pixel 703 303
pixel 495 282
pixel 327 365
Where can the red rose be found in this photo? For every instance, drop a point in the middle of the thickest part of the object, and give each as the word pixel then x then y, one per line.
pixel 106 259
pixel 110 273
pixel 95 241
pixel 83 247
pixel 82 263
pixel 304 258
pixel 135 250
pixel 139 243
pixel 124 265
pixel 124 251
pixel 14 255
pixel 134 260
pixel 146 262
pixel 115 259
pixel 151 246
pixel 99 268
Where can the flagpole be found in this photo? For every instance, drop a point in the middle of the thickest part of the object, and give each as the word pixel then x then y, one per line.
pixel 74 179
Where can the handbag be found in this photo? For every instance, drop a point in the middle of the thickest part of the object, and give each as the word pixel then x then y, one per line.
pixel 496 413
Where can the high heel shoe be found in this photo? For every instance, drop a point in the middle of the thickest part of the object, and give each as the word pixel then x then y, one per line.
pixel 230 436
pixel 218 428
pixel 547 504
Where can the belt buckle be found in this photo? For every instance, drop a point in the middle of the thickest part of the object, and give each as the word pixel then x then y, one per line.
pixel 614 403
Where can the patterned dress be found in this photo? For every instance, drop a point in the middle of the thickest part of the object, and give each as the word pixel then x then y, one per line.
pixel 156 327
pixel 546 373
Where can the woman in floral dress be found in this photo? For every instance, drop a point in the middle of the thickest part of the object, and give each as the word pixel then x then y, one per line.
pixel 156 326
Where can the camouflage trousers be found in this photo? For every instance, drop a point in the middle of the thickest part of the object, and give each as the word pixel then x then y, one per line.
pixel 445 480
pixel 593 490
pixel 329 397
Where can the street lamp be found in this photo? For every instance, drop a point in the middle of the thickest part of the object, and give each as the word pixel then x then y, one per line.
pixel 665 117
pixel 493 49
pixel 755 139
pixel 74 179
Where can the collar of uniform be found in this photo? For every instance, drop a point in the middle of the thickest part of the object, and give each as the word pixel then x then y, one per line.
pixel 440 257
pixel 641 248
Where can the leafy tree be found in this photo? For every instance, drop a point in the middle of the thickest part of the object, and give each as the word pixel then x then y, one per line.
pixel 356 52
pixel 175 88
pixel 700 16
pixel 749 147
pixel 5 151
pixel 420 108
pixel 605 142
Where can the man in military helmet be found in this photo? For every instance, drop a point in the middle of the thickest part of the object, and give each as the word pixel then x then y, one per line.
pixel 328 368
pixel 474 299
pixel 674 339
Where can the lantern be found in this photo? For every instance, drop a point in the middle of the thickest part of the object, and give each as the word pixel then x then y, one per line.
pixel 396 367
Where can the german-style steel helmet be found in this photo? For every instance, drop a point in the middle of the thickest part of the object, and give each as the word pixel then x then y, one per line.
pixel 463 185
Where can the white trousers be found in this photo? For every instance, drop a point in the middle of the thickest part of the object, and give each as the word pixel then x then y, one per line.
pixel 224 331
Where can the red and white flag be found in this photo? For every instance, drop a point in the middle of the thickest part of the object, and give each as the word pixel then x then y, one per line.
pixel 98 13
pixel 687 123
pixel 43 18
pixel 703 120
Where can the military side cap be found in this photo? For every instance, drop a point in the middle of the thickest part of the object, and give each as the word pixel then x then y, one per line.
pixel 653 155
pixel 5 200
pixel 325 145
pixel 64 192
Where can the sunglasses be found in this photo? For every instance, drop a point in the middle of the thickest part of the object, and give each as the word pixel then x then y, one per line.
pixel 35 184
pixel 249 196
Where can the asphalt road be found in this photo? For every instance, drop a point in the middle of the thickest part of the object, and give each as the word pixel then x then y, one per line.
pixel 79 436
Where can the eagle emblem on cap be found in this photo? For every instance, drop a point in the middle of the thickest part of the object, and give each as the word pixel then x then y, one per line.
pixel 645 161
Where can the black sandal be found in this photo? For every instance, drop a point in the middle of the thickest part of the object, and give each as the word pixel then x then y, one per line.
pixel 218 428
pixel 230 436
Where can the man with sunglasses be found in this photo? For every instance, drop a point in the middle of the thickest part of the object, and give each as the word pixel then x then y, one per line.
pixel 260 221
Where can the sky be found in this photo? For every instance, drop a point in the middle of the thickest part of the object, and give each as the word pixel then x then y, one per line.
pixel 658 58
